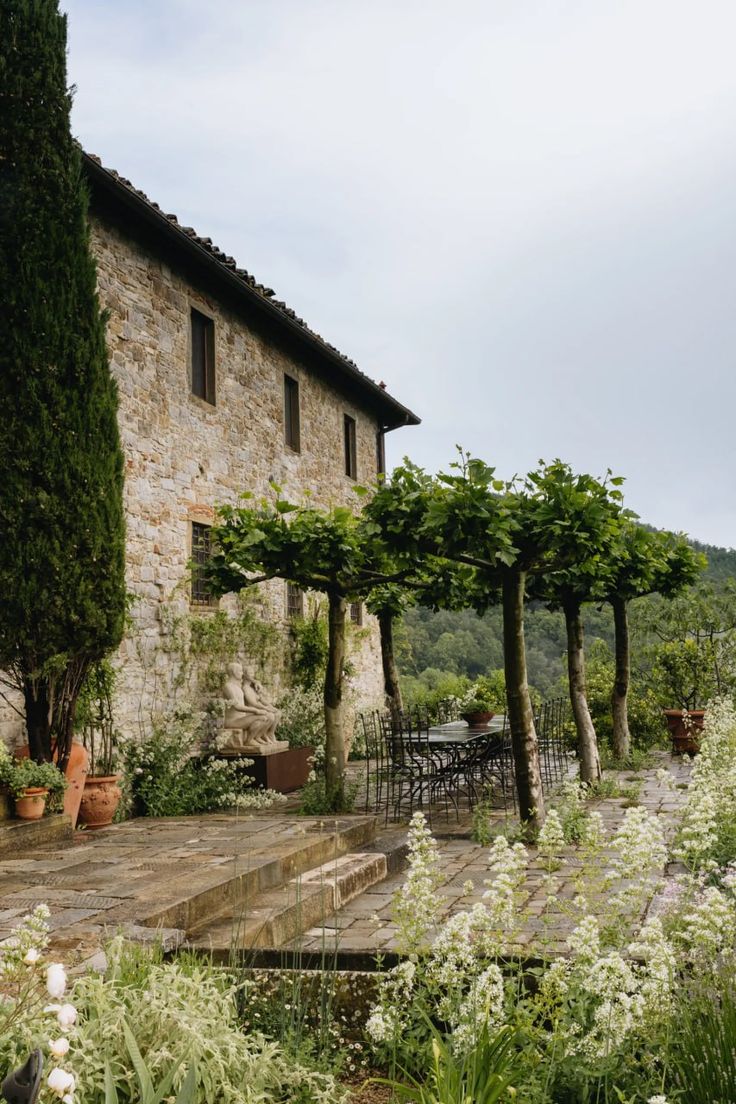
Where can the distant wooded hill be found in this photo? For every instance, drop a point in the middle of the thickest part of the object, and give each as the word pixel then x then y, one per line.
pixel 462 643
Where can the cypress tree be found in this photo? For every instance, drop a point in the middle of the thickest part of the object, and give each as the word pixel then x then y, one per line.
pixel 62 539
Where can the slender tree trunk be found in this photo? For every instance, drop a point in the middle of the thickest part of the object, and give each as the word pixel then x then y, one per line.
pixel 521 717
pixel 334 711
pixel 390 670
pixel 619 707
pixel 590 763
pixel 65 711
pixel 38 719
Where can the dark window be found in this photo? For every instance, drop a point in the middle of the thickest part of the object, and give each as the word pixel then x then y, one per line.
pixel 294 601
pixel 291 414
pixel 381 452
pixel 201 552
pixel 356 613
pixel 351 461
pixel 203 357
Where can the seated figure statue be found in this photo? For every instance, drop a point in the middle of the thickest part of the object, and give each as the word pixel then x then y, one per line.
pixel 250 719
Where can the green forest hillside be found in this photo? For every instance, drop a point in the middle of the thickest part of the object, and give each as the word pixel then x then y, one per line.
pixel 431 644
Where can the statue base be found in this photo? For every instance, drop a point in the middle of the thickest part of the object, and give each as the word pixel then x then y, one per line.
pixel 272 748
pixel 283 771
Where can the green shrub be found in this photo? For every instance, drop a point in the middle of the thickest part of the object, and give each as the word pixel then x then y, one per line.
pixel 181 1014
pixel 303 718
pixel 164 777
pixel 645 716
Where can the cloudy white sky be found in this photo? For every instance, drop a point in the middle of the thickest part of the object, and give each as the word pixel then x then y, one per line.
pixel 519 214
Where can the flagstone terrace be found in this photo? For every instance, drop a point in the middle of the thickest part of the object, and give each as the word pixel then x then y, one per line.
pixel 273 879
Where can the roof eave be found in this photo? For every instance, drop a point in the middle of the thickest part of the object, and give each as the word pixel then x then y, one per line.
pixel 393 414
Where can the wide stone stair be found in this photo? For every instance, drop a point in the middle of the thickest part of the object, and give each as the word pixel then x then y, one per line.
pixel 267 899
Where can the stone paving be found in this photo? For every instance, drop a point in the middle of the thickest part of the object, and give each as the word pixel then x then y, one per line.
pixel 365 924
pixel 146 877
pixel 157 872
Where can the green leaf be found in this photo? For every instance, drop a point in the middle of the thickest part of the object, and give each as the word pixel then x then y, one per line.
pixel 111 1093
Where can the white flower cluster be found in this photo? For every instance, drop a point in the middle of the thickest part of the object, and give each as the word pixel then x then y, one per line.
pixel 389 1018
pixel 416 904
pixel 707 932
pixel 711 800
pixel 502 895
pixel 26 981
pixel 639 854
pixel 551 840
pixel 614 993
pixel 482 1006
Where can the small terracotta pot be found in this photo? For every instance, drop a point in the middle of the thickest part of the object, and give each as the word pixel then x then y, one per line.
pixel 477 720
pixel 31 804
pixel 100 800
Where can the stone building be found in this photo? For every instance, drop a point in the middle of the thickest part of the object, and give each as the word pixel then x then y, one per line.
pixel 222 389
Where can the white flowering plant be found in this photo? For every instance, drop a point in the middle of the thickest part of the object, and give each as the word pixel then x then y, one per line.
pixel 585 1014
pixel 34 1010
pixel 165 776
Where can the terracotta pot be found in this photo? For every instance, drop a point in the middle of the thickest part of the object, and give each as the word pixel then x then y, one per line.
pixel 76 772
pixel 31 804
pixel 100 800
pixel 477 720
pixel 685 726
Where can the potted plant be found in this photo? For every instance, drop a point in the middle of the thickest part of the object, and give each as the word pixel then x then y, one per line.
pixel 30 784
pixel 485 698
pixel 684 668
pixel 101 794
pixel 477 712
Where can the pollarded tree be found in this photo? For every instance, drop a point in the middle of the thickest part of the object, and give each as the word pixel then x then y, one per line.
pixel 509 533
pixel 435 584
pixel 62 549
pixel 587 580
pixel 645 562
pixel 329 551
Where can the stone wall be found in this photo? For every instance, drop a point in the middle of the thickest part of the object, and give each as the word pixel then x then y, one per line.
pixel 184 456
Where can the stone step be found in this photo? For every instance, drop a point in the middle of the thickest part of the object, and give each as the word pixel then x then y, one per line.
pixel 217 893
pixel 278 916
pixel 18 837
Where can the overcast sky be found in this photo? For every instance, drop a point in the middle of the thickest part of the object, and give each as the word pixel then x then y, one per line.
pixel 521 215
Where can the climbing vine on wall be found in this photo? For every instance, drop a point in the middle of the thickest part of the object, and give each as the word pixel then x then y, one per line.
pixel 203 644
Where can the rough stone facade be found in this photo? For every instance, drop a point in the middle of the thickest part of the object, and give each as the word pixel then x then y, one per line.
pixel 185 455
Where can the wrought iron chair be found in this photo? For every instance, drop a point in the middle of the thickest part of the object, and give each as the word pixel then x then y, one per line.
pixel 416 778
pixel 376 781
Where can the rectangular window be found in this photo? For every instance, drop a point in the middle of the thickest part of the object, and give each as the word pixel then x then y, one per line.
pixel 201 552
pixel 291 414
pixel 203 356
pixel 351 460
pixel 380 453
pixel 356 613
pixel 294 601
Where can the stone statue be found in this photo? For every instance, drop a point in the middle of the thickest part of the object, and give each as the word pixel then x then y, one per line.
pixel 250 719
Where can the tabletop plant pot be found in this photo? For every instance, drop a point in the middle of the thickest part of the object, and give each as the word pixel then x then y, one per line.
pixel 100 800
pixel 477 719
pixel 30 804
pixel 685 726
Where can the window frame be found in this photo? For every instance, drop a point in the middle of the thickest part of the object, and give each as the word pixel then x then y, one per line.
pixel 350 443
pixel 356 614
pixel 294 602
pixel 292 414
pixel 198 594
pixel 209 368
pixel 381 453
